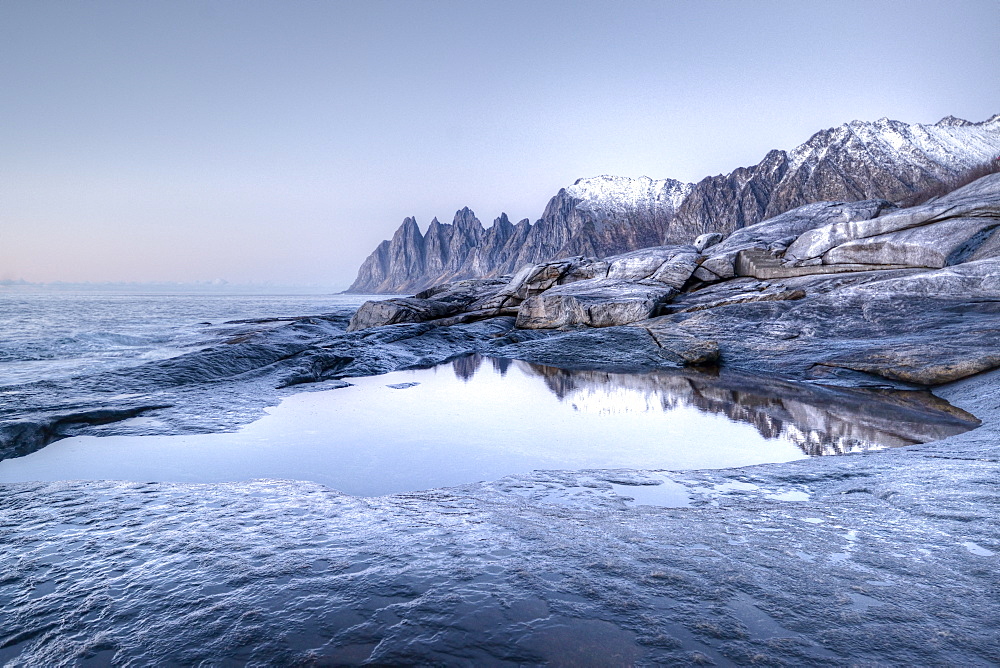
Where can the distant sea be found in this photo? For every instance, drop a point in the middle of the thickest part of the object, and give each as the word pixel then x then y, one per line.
pixel 53 334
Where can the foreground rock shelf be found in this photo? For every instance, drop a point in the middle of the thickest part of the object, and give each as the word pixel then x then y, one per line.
pixel 886 557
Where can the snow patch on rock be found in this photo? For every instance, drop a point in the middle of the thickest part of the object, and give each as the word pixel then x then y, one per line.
pixel 607 195
pixel 947 146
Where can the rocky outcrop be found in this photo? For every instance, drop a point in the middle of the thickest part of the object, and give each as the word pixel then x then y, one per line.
pixel 434 304
pixel 631 287
pixel 775 235
pixel 595 303
pixel 863 291
pixel 572 291
pixel 605 215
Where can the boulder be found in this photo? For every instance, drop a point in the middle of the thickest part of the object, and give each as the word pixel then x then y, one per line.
pixel 462 292
pixel 677 270
pixel 671 264
pixel 398 310
pixel 440 301
pixel 537 278
pixel 706 240
pixel 594 302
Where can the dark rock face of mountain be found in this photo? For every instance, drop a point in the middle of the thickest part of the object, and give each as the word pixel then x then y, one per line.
pixel 856 161
pixel 607 215
pixel 412 261
pixel 600 216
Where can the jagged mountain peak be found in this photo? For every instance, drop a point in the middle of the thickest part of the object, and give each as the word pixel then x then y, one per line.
pixel 604 215
pixel 950 144
pixel 502 220
pixel 952 121
pixel 408 227
pixel 466 217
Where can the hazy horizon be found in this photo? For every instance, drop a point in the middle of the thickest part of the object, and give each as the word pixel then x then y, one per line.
pixel 258 142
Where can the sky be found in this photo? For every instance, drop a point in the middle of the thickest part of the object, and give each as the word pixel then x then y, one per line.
pixel 279 142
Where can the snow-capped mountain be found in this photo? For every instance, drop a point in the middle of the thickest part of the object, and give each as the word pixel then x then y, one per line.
pixel 605 215
pixel 606 196
pixel 952 143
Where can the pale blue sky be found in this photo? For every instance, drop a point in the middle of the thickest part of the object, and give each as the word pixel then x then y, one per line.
pixel 280 141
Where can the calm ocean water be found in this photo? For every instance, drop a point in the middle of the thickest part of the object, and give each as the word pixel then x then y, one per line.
pixel 52 335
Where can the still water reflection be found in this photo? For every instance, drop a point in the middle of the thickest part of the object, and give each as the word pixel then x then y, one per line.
pixel 483 418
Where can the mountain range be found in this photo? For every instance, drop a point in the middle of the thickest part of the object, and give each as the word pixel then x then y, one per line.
pixel 605 215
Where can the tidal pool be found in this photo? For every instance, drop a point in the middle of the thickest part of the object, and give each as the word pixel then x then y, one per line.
pixel 482 418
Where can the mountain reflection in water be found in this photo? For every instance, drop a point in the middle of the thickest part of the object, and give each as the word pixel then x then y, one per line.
pixel 820 420
pixel 484 418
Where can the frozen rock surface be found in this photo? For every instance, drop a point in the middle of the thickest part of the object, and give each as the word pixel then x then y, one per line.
pixel 883 558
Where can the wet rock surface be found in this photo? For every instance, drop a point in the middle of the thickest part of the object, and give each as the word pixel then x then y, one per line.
pixel 886 557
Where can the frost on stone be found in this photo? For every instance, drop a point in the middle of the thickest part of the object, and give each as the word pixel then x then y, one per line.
pixel 608 195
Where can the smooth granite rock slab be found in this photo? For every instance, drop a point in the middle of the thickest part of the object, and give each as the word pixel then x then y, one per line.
pixel 619 349
pixel 971 280
pixel 940 244
pixel 978 199
pixel 804 338
pixel 678 343
pixel 721 258
pixel 595 303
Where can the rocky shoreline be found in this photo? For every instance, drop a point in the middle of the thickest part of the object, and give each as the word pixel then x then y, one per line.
pixel 862 293
pixel 868 558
